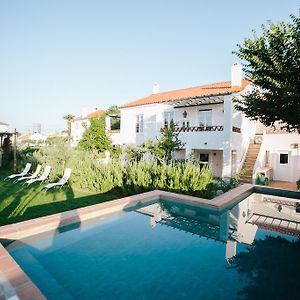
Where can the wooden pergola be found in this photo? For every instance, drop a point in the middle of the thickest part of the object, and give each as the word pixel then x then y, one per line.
pixel 198 101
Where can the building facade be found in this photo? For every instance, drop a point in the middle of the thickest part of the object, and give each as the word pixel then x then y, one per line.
pixel 212 131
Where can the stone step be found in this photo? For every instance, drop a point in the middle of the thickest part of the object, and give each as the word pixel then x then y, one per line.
pixel 250 161
pixel 252 152
pixel 248 165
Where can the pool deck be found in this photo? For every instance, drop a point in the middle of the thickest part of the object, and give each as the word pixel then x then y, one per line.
pixel 15 284
pixel 291 186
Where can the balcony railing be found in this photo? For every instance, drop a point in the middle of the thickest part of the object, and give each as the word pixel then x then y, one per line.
pixel 203 128
pixel 199 128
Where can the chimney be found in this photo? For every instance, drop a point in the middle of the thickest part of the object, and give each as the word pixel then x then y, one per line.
pixel 84 112
pixel 236 75
pixel 155 89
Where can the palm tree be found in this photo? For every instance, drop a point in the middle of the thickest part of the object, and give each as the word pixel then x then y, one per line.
pixel 69 118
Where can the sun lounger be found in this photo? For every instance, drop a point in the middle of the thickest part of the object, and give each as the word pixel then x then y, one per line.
pixel 23 173
pixel 34 175
pixel 42 178
pixel 62 181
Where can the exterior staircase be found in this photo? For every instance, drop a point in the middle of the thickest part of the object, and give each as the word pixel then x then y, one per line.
pixel 250 162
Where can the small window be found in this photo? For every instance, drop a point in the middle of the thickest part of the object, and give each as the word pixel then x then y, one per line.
pixel 139 123
pixel 284 159
pixel 204 158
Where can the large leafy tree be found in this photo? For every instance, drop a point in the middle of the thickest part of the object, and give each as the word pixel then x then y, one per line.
pixel 95 137
pixel 272 63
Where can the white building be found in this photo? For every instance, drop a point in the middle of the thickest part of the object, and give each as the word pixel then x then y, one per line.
pixel 279 152
pixel 212 130
pixel 79 125
pixel 3 127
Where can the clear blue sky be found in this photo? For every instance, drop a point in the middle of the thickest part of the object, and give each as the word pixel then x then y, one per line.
pixel 60 55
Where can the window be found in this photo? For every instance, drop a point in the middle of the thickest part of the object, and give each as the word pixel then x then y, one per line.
pixel 139 123
pixel 204 158
pixel 168 119
pixel 284 159
pixel 185 124
pixel 205 118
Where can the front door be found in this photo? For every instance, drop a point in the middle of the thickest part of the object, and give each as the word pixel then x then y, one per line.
pixel 283 166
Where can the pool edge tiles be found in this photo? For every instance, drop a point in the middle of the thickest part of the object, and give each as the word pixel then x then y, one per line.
pixel 52 222
pixel 14 282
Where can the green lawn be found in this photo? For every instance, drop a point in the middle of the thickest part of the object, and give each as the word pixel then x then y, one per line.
pixel 19 203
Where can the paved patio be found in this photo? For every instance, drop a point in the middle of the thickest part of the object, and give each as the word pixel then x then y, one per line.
pixel 283 185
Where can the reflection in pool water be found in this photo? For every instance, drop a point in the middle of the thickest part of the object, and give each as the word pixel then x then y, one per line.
pixel 172 250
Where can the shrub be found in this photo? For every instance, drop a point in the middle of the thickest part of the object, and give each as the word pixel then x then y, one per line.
pixel 89 173
pixel 298 184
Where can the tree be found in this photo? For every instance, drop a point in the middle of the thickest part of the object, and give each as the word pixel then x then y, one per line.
pixel 168 142
pixel 69 118
pixel 272 62
pixel 114 112
pixel 95 137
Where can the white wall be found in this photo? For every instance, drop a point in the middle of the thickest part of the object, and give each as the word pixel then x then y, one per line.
pixel 153 122
pixel 116 137
pixel 276 144
pixel 77 130
pixel 240 141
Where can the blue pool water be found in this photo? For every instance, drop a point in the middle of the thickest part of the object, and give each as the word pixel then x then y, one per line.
pixel 168 250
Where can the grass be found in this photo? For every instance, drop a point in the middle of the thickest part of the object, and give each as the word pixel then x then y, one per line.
pixel 20 203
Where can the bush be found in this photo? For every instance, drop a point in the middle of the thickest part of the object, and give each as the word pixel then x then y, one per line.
pixel 89 173
pixel 298 184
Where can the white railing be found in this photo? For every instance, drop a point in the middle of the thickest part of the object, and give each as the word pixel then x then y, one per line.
pixel 241 163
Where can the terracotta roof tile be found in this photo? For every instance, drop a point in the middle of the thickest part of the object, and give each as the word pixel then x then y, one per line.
pixel 95 114
pixel 213 89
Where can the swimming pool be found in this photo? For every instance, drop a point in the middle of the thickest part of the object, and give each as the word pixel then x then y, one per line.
pixel 171 250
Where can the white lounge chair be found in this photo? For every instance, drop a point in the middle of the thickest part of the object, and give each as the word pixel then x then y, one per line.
pixel 34 175
pixel 62 181
pixel 23 173
pixel 42 178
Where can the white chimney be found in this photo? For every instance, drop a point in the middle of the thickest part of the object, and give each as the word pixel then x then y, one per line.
pixel 236 75
pixel 155 89
pixel 84 111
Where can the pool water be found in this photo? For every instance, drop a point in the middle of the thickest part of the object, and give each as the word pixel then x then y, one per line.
pixel 169 250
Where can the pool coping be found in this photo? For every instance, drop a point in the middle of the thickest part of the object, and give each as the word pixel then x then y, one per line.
pixel 16 279
pixel 51 222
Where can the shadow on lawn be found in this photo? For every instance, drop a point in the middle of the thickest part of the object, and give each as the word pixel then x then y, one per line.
pixel 33 201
